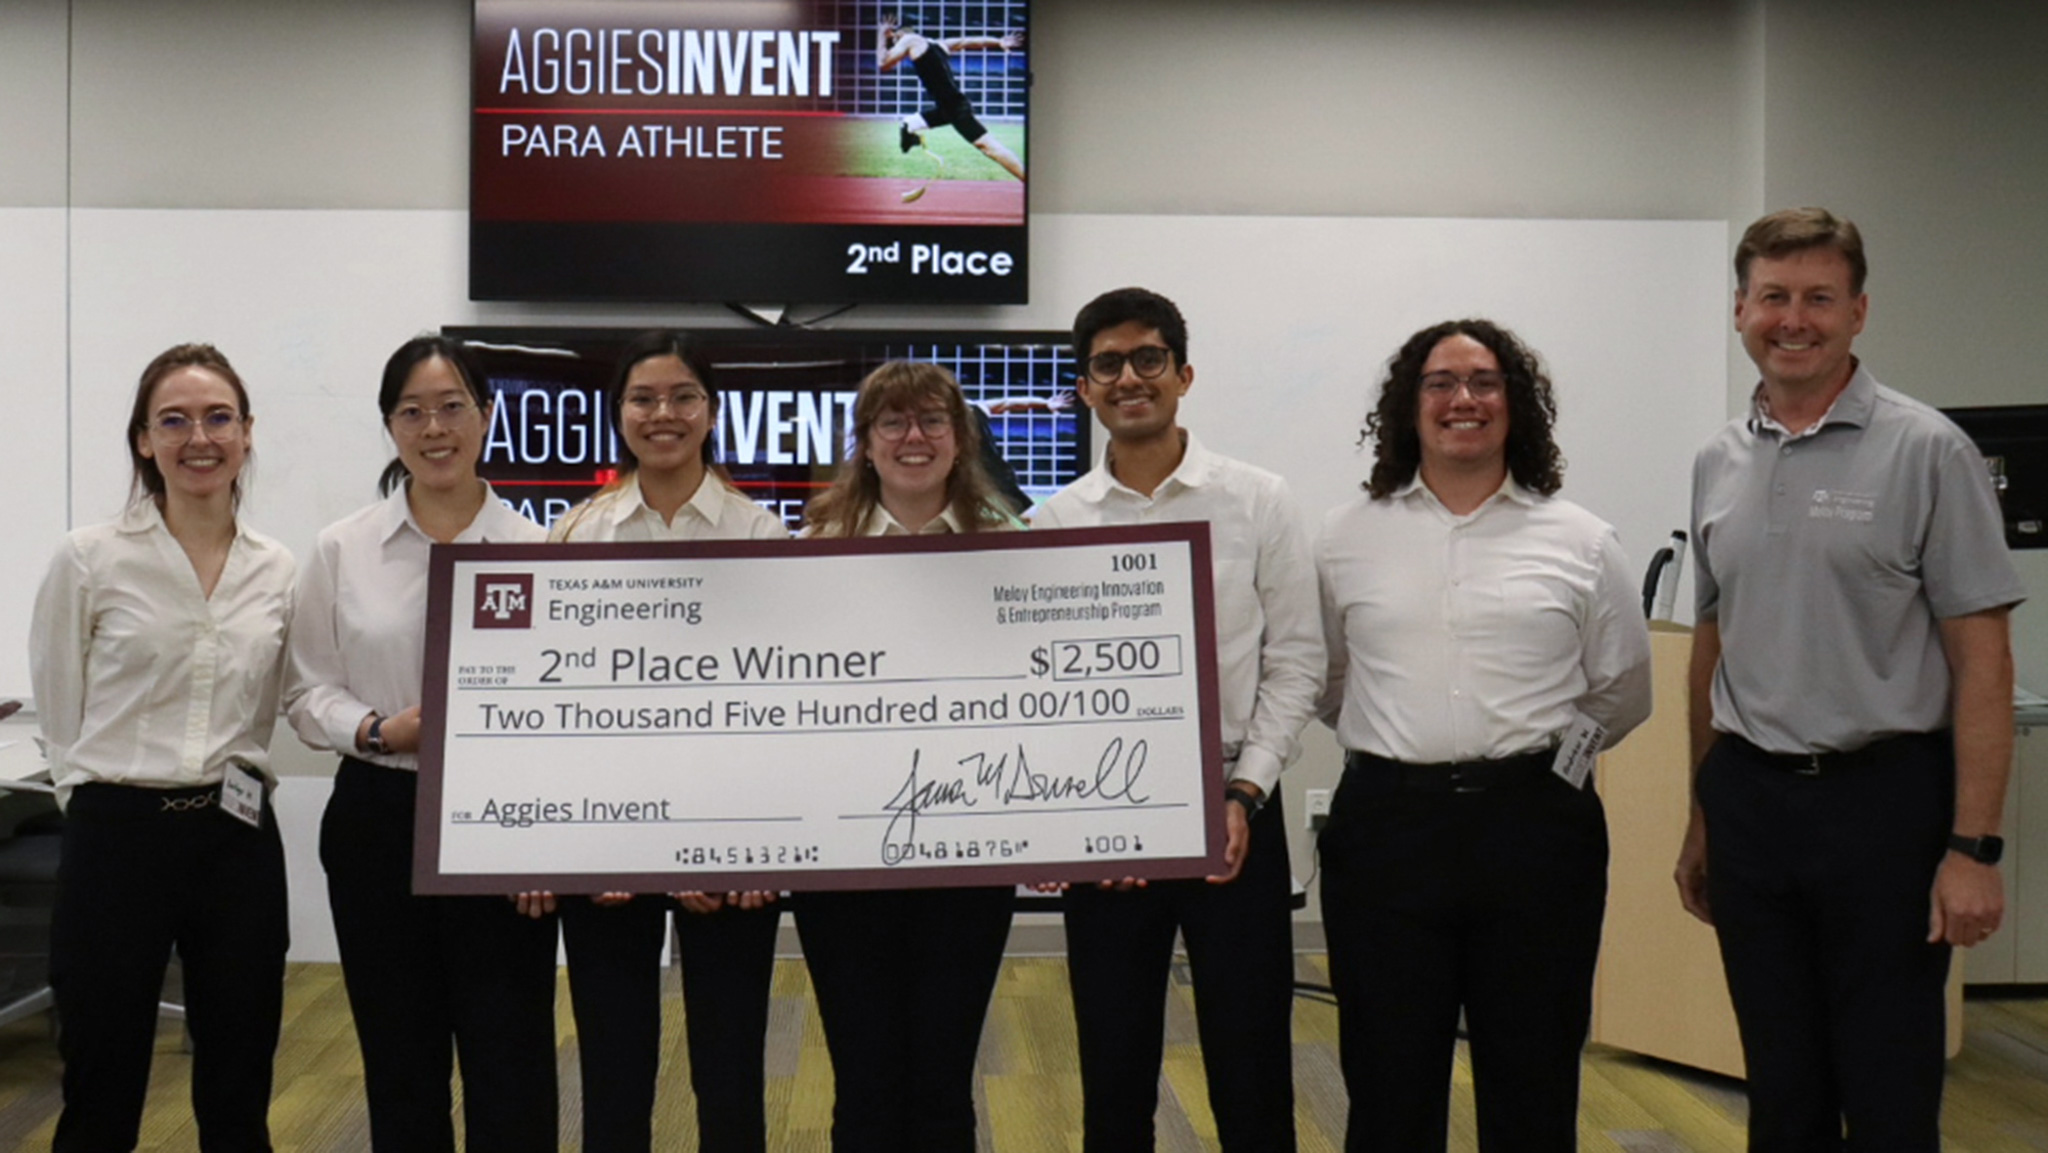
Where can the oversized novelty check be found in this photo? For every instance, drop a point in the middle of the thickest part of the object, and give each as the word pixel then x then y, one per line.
pixel 884 712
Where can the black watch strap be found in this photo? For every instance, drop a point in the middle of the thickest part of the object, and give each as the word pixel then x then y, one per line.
pixel 1983 850
pixel 1252 803
pixel 374 739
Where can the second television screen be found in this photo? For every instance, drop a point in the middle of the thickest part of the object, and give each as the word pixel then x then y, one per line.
pixel 785 407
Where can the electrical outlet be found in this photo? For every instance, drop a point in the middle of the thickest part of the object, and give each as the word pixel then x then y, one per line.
pixel 1318 809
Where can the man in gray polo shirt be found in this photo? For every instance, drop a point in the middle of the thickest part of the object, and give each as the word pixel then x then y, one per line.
pixel 1851 709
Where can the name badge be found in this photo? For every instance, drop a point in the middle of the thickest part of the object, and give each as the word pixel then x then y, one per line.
pixel 241 795
pixel 1582 743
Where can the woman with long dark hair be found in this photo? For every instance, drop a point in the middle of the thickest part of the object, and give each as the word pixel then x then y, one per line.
pixel 156 653
pixel 428 977
pixel 665 406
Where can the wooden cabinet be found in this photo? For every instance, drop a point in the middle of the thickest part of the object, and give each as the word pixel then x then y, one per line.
pixel 1659 990
pixel 2018 952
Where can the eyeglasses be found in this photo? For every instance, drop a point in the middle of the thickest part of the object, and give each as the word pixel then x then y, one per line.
pixel 934 423
pixel 682 401
pixel 1148 361
pixel 179 427
pixel 1483 385
pixel 414 418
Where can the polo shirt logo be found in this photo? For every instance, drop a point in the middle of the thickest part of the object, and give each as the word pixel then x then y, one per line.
pixel 1854 507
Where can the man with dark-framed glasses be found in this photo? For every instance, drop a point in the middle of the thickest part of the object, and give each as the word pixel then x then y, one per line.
pixel 1132 347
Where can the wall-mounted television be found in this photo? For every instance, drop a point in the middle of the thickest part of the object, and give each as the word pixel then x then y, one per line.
pixel 785 407
pixel 795 151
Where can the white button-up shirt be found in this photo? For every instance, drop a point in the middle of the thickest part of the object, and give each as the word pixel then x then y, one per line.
pixel 358 641
pixel 1464 638
pixel 1269 645
pixel 142 679
pixel 716 511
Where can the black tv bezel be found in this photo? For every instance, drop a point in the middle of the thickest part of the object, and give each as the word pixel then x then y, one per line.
pixel 654 262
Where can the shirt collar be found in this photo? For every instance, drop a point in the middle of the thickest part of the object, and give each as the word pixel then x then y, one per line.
pixel 882 522
pixel 1197 467
pixel 708 502
pixel 1509 489
pixel 142 516
pixel 395 516
pixel 1852 406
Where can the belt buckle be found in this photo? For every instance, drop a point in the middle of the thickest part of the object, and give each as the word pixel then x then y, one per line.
pixel 1460 784
pixel 1812 766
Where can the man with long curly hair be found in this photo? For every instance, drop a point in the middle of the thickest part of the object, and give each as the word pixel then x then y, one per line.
pixel 1484 642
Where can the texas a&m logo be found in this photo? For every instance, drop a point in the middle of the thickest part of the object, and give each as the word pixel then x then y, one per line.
pixel 504 601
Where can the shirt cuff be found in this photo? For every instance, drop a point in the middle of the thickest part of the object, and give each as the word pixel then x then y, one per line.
pixel 1257 766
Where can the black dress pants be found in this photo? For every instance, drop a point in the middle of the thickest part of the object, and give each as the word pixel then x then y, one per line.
pixel 728 963
pixel 1489 901
pixel 1819 884
pixel 142 871
pixel 903 979
pixel 430 978
pixel 1240 946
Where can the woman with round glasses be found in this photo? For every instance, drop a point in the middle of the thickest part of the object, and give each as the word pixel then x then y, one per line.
pixel 903 977
pixel 1476 625
pixel 424 974
pixel 665 407
pixel 156 655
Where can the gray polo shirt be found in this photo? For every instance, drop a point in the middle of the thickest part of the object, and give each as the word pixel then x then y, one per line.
pixel 1827 559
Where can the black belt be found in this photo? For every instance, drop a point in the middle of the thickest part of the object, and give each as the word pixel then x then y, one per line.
pixel 1822 764
pixel 1448 776
pixel 111 798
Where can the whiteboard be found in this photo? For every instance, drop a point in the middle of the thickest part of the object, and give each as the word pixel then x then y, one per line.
pixel 32 383
pixel 1291 321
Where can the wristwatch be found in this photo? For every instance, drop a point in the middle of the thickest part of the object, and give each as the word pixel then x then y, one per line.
pixel 1983 850
pixel 374 740
pixel 1252 803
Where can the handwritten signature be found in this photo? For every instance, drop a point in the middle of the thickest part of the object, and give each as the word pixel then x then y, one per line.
pixel 1004 780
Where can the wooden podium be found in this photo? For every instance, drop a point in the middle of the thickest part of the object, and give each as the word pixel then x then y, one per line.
pixel 1659 990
